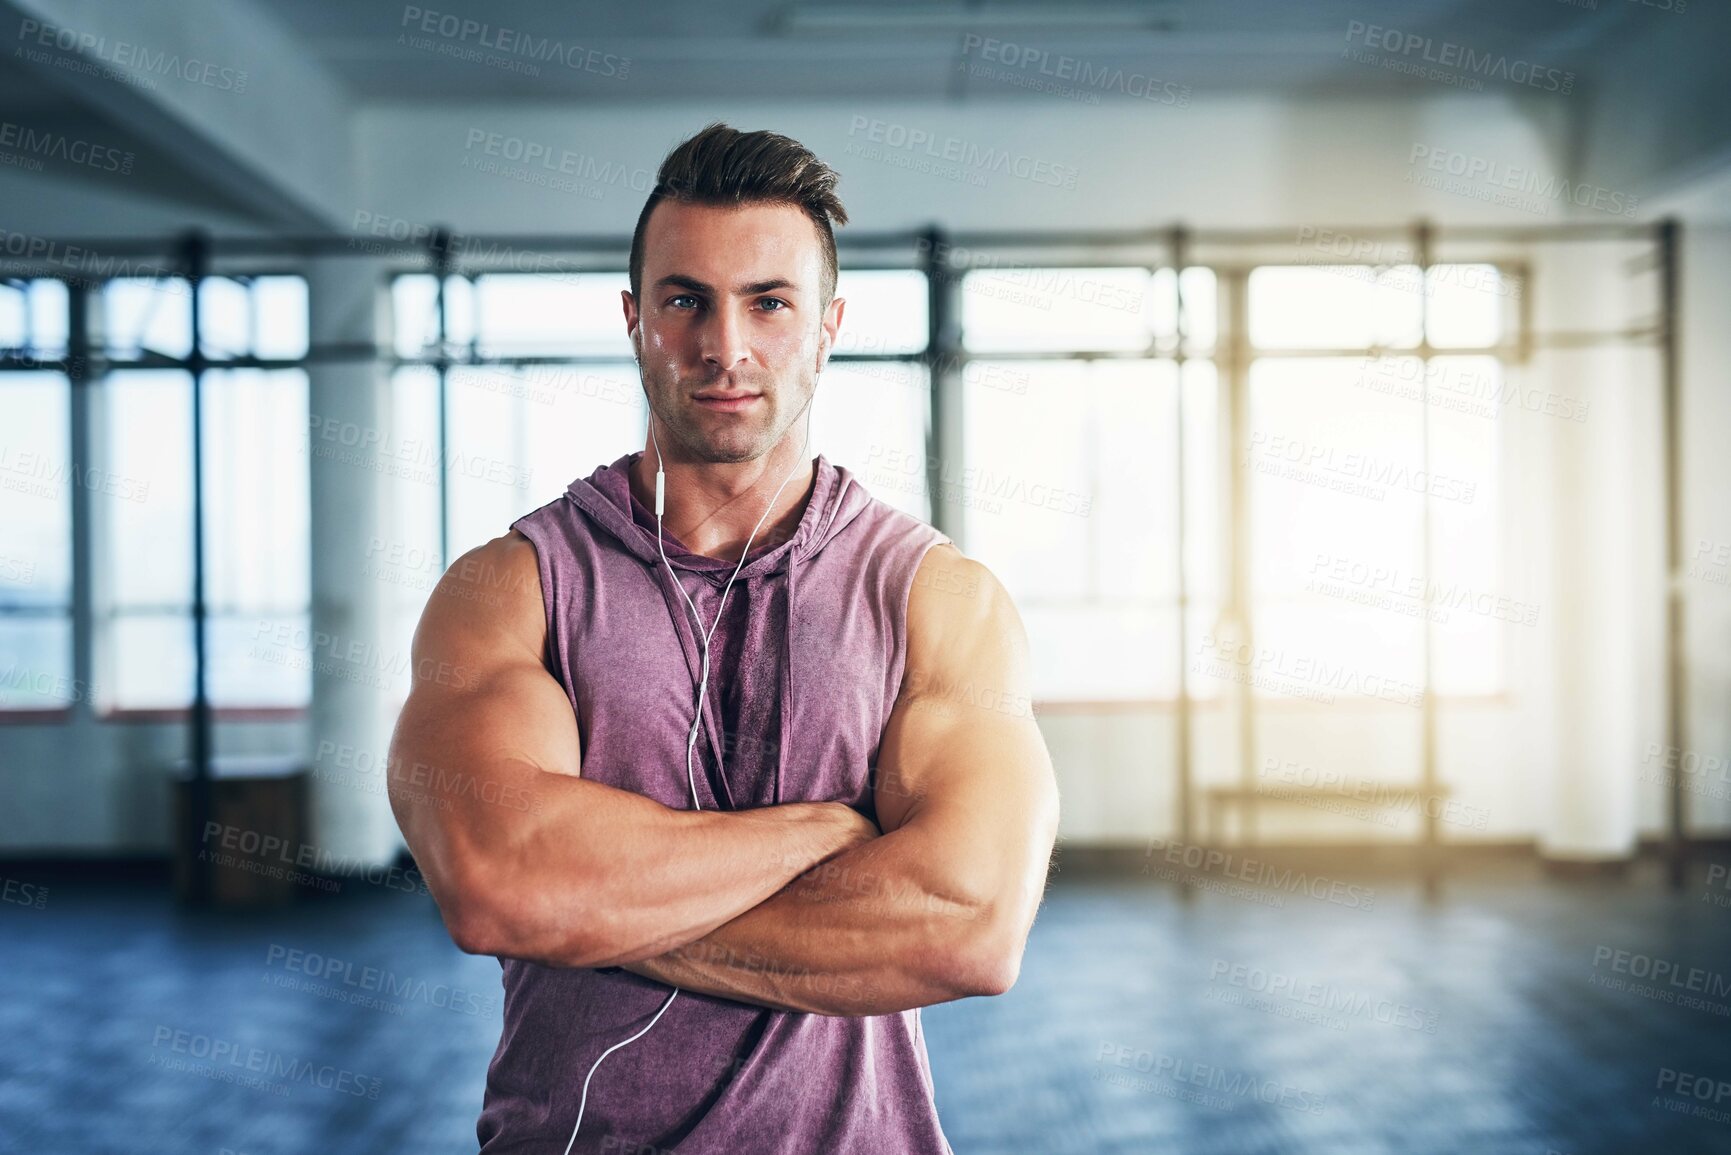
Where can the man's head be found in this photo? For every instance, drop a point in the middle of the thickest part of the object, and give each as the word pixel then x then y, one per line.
pixel 732 306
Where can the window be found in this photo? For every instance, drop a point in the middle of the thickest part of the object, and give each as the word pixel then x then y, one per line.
pixel 37 473
pixel 257 515
pixel 1333 307
pixel 552 393
pixel 1343 456
pixel 1068 480
pixel 33 318
pixel 873 404
pixel 870 417
pixel 1068 484
pixel 885 312
pixel 264 317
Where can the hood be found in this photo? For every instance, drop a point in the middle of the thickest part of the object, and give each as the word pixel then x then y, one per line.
pixel 606 497
pixel 836 499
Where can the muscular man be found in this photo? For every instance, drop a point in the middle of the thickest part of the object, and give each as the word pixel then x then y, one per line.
pixel 869 812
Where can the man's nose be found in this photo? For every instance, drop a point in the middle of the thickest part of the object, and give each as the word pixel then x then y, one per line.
pixel 724 340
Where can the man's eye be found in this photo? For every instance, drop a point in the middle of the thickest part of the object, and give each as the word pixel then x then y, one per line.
pixel 775 301
pixel 682 297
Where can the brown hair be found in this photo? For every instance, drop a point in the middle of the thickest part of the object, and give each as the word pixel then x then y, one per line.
pixel 722 166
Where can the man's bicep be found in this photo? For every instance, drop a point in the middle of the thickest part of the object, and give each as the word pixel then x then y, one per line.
pixel 962 745
pixel 484 719
pixel 480 684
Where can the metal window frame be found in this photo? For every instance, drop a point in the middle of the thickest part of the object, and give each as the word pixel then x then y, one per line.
pixel 192 253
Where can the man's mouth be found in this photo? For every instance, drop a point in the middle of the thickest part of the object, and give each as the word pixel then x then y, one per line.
pixel 726 402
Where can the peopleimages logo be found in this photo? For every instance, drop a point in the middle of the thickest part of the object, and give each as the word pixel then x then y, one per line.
pixel 1494 174
pixel 56 146
pixel 84 266
pixel 168 1042
pixel 331 975
pixel 968 155
pixel 1234 1086
pixel 1362 472
pixel 1079 73
pixel 1452 62
pixel 143 60
pixel 32 472
pixel 885 464
pixel 1211 860
pixel 511 42
pixel 555 159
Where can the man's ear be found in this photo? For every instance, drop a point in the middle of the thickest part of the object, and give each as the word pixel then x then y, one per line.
pixel 827 330
pixel 633 323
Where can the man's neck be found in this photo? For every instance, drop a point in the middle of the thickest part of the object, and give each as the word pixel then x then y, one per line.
pixel 712 507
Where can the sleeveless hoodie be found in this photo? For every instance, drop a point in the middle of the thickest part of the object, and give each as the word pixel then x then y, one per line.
pixel 804 669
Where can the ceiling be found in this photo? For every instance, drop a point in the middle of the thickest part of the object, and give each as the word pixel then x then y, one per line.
pixel 1654 97
pixel 679 50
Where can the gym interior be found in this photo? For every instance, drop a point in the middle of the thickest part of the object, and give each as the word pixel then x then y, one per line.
pixel 1336 388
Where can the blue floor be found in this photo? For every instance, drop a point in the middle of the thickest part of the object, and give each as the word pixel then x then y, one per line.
pixel 1514 1014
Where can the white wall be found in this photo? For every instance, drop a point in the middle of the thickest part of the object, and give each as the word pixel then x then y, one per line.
pixel 1222 162
pixel 1706 423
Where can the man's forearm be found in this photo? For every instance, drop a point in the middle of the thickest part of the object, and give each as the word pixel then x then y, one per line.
pixel 869 932
pixel 625 878
pixel 939 907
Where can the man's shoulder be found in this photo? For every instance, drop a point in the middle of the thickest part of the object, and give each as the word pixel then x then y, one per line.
pixel 966 642
pixel 509 562
pixel 951 588
pixel 492 591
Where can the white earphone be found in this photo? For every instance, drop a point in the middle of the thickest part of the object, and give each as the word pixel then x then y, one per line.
pixel 702 682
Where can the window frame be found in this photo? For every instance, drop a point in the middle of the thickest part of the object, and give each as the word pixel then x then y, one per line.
pixel 86 364
pixel 945 361
pixel 1232 355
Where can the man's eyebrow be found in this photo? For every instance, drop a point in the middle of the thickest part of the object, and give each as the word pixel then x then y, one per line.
pixel 681 281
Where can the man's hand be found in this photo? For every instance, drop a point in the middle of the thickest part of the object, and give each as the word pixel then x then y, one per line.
pixel 859 829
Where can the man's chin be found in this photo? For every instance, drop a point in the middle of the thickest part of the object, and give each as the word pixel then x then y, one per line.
pixel 719 457
pixel 730 452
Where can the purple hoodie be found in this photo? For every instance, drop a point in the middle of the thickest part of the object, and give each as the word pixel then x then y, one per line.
pixel 804 669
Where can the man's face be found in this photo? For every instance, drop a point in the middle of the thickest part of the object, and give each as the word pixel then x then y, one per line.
pixel 731 332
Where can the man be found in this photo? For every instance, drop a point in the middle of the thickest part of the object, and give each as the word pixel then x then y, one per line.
pixel 869 810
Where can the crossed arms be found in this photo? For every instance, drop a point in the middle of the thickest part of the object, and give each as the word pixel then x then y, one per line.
pixel 800 907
